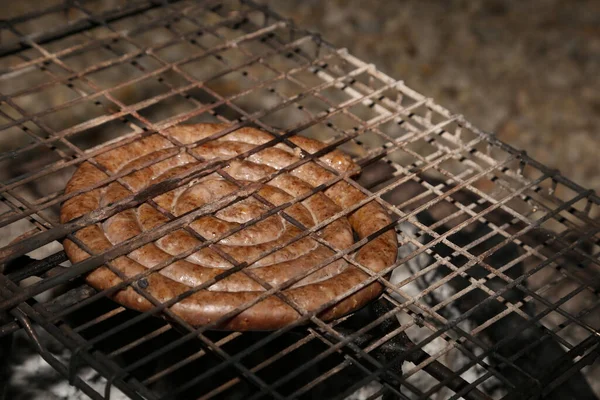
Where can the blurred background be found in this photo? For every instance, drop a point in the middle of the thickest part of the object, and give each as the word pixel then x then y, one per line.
pixel 526 71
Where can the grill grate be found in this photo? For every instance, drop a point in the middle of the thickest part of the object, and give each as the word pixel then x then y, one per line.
pixel 495 290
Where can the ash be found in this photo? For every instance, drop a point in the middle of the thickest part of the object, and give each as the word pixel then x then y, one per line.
pixel 454 360
pixel 32 378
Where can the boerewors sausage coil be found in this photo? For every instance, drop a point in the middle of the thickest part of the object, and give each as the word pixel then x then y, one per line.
pixel 246 245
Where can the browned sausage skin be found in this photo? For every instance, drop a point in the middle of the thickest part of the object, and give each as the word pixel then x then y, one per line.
pixel 247 245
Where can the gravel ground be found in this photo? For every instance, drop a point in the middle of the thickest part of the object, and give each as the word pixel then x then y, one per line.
pixel 524 70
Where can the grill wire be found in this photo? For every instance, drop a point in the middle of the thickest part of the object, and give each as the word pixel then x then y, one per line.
pixel 495 290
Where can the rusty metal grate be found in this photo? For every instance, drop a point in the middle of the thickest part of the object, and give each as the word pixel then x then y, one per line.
pixel 495 290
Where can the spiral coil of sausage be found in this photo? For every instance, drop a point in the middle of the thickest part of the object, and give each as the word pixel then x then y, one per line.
pixel 294 258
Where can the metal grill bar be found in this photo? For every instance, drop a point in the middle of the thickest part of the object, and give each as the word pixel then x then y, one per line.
pixel 378 117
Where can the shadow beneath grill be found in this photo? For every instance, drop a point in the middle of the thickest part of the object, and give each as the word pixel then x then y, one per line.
pixel 179 381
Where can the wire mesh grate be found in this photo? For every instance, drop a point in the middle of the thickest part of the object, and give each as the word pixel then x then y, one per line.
pixel 495 290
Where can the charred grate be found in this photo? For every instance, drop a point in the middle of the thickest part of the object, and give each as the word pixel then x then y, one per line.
pixel 495 290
